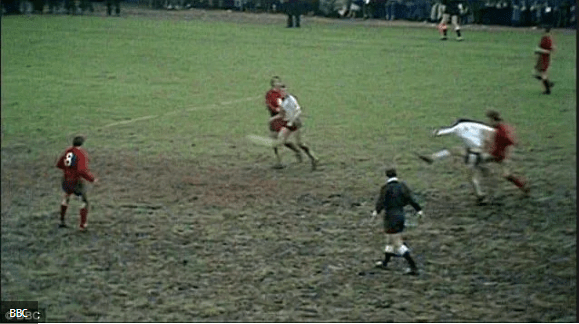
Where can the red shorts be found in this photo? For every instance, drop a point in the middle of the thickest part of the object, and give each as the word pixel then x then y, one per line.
pixel 277 124
pixel 542 64
pixel 497 157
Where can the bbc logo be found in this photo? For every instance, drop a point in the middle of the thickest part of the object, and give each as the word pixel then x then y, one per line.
pixel 21 312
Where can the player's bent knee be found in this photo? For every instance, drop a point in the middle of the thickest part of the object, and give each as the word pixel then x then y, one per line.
pixel 401 250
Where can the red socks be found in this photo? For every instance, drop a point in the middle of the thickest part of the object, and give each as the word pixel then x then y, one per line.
pixel 83 217
pixel 518 182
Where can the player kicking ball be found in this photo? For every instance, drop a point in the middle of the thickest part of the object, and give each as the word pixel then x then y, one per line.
pixel 74 165
pixel 473 135
pixel 496 148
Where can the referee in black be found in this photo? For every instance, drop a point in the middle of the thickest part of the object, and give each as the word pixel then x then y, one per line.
pixel 394 195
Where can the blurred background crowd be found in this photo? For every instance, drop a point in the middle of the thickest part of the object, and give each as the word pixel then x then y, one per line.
pixel 557 13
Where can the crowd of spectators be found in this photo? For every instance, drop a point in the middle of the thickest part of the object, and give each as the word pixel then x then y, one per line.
pixel 557 13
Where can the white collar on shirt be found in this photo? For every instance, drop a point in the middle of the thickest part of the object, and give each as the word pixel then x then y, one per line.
pixel 392 180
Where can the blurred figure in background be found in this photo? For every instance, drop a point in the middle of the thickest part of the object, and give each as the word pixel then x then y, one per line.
pixel 174 4
pixel 544 59
pixel 367 10
pixel 37 6
pixel 12 7
pixel 452 10
pixel 436 11
pixel 293 10
pixel 116 3
pixel 86 5
pixel 563 14
pixel 70 7
pixel 53 6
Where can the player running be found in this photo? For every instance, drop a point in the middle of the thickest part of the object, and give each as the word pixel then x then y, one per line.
pixel 543 52
pixel 272 101
pixel 74 164
pixel 498 149
pixel 289 123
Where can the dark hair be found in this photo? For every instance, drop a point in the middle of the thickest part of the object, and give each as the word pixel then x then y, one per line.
pixel 77 141
pixel 494 115
pixel 547 28
pixel 390 172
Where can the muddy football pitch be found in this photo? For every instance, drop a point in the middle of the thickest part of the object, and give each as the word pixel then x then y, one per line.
pixel 190 222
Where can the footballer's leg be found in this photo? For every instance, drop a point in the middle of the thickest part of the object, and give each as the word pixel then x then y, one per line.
pixel 456 27
pixel 546 82
pixel 83 213
pixel 402 250
pixel 389 252
pixel 306 149
pixel 63 208
pixel 473 177
pixel 287 144
pixel 81 191
pixel 294 148
pixel 442 26
pixel 517 181
pixel 537 72
pixel 278 165
pixel 281 138
pixel 455 151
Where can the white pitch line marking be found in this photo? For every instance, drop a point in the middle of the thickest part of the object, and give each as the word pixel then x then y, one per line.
pixel 130 121
pixel 208 107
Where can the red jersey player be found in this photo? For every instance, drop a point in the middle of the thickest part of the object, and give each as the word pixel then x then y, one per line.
pixel 273 99
pixel 74 164
pixel 499 149
pixel 272 96
pixel 544 57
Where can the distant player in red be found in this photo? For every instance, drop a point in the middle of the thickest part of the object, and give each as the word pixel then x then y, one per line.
pixel 273 99
pixel 544 58
pixel 74 164
pixel 498 149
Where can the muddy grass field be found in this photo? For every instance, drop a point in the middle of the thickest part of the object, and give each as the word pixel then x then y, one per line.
pixel 213 233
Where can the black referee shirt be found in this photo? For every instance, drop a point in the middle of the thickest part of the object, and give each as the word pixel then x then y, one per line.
pixel 394 195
